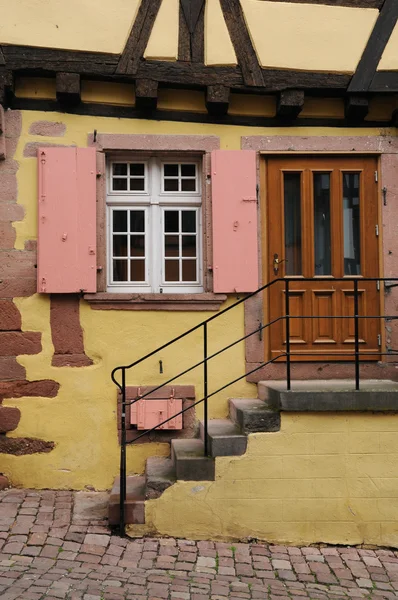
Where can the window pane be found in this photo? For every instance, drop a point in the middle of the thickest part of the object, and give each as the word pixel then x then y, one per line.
pixel 171 245
pixel 137 221
pixel 189 221
pixel 170 170
pixel 171 185
pixel 352 254
pixel 189 270
pixel 189 245
pixel 171 221
pixel 188 185
pixel 119 168
pixel 120 245
pixel 119 220
pixel 188 170
pixel 172 270
pixel 120 270
pixel 137 245
pixel 292 197
pixel 119 185
pixel 322 242
pixel 137 185
pixel 137 270
pixel 137 169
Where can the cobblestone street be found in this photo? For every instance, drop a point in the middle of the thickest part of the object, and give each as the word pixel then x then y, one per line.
pixel 57 545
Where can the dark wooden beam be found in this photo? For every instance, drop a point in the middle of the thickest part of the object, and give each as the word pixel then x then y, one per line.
pixel 217 99
pixel 192 10
pixel 373 52
pixel 67 87
pixel 350 3
pixel 385 81
pixel 146 94
pixel 290 104
pixel 2 59
pixel 6 87
pixel 244 50
pixel 184 38
pixel 198 39
pixel 356 107
pixel 24 58
pixel 139 37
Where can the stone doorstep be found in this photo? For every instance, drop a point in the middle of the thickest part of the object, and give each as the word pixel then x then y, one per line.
pixel 330 396
pixel 189 460
pixel 253 415
pixel 225 438
pixel 160 474
pixel 134 504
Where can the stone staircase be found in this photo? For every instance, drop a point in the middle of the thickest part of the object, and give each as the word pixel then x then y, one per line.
pixel 228 437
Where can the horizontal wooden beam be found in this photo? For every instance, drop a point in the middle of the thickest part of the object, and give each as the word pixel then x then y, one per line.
pixel 290 104
pixel 146 94
pixel 68 88
pixel 384 81
pixel 356 107
pixel 217 99
pixel 349 3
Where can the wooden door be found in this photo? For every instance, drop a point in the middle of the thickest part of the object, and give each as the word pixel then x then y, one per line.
pixel 322 216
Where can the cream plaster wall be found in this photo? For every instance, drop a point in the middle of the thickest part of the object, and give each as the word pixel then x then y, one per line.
pixel 323 478
pixel 308 37
pixel 218 45
pixel 163 41
pixel 76 24
pixel 105 92
pixel 389 59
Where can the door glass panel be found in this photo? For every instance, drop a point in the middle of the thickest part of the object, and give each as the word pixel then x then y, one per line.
pixel 322 246
pixel 292 201
pixel 352 254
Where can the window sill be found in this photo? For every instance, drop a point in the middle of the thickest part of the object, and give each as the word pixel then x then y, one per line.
pixel 183 302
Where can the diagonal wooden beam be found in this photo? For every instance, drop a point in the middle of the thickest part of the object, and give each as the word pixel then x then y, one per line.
pixel 139 37
pixel 373 52
pixel 244 50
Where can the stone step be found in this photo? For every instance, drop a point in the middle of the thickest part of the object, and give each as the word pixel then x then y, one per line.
pixel 160 474
pixel 134 505
pixel 252 415
pixel 330 395
pixel 189 461
pixel 224 438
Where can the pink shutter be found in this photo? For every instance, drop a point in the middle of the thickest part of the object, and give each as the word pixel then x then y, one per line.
pixel 67 220
pixel 234 207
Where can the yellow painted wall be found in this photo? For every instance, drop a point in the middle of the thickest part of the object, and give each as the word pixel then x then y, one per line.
pixel 163 41
pixel 323 478
pixel 307 36
pixel 389 59
pixel 105 92
pixel 218 45
pixel 81 420
pixel 42 88
pixel 76 24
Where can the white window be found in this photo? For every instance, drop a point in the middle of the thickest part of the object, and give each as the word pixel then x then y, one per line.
pixel 154 225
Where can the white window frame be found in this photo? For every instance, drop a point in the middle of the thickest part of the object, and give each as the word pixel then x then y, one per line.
pixel 154 200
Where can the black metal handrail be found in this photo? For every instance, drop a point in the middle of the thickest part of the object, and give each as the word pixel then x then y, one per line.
pixel 288 354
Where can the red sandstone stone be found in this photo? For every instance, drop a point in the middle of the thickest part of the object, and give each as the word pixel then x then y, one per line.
pixel 13 343
pixel 31 245
pixel 9 211
pixel 9 418
pixel 4 483
pixel 10 319
pixel 13 119
pixel 17 389
pixel 49 128
pixel 30 150
pixel 8 187
pixel 17 286
pixel 18 263
pixel 10 369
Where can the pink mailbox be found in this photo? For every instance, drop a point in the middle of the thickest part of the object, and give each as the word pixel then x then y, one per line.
pixel 148 412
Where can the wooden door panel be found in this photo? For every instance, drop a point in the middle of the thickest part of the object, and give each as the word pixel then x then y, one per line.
pixel 321 217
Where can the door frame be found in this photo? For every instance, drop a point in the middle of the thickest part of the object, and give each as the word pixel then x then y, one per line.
pixel 264 212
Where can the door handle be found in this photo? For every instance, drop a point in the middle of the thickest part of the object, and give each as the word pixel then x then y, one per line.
pixel 277 262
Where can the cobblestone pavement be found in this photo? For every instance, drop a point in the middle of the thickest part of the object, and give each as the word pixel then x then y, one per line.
pixel 57 545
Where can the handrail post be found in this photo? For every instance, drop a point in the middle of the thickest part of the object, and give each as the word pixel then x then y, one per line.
pixel 287 318
pixel 123 457
pixel 356 325
pixel 205 390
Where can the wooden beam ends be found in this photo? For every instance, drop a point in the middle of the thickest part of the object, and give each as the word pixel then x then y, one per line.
pixel 290 104
pixel 146 94
pixel 68 89
pixel 6 86
pixel 356 108
pixel 217 99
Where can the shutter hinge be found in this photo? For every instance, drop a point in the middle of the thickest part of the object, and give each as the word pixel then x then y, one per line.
pixel 257 192
pixel 376 176
pixel 377 230
pixel 379 339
